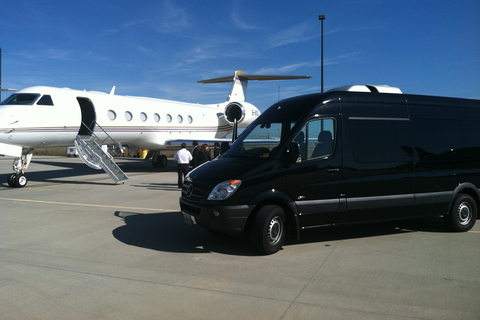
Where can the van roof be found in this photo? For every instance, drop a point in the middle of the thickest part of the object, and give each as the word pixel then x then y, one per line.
pixel 368 88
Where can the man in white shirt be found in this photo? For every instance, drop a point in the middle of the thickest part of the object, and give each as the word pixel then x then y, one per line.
pixel 183 158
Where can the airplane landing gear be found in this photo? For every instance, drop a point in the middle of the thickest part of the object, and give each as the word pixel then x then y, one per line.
pixel 159 160
pixel 17 180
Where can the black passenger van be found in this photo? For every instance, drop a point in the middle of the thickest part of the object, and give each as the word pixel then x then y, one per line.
pixel 342 157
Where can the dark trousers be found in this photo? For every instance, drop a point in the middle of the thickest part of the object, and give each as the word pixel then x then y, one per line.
pixel 182 172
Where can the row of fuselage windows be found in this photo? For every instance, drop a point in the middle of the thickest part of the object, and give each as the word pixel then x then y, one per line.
pixel 112 115
pixel 46 100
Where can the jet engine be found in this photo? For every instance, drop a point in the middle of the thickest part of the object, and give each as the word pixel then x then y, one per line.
pixel 243 112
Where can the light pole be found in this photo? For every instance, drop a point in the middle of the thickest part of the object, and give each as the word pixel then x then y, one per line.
pixel 321 17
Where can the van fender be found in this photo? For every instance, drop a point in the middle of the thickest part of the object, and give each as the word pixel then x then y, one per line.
pixel 467 188
pixel 282 199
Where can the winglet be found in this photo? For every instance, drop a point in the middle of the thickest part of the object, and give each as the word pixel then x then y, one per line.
pixel 240 82
pixel 112 92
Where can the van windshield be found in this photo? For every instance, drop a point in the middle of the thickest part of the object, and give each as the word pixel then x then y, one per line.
pixel 260 140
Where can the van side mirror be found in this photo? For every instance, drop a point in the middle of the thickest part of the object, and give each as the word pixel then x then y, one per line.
pixel 293 153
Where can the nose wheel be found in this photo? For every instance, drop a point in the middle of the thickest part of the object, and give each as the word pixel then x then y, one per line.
pixel 17 180
pixel 20 164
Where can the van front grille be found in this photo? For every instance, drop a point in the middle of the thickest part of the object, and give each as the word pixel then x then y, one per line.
pixel 194 192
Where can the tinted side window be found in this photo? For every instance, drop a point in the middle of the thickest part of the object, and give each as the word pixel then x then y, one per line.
pixel 317 138
pixel 380 139
pixel 444 139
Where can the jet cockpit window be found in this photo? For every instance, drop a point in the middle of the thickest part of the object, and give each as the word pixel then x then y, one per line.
pixel 46 100
pixel 25 99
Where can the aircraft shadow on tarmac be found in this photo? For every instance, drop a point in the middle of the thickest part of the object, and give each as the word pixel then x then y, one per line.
pixel 167 232
pixel 78 169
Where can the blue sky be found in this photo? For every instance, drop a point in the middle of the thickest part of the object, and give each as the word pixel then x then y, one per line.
pixel 161 48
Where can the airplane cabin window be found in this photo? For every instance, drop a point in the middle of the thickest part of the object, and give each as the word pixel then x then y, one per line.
pixel 190 119
pixel 46 100
pixel 179 119
pixel 128 115
pixel 112 115
pixel 169 118
pixel 143 116
pixel 156 116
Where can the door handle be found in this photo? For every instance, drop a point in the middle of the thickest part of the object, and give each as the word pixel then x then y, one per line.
pixel 333 170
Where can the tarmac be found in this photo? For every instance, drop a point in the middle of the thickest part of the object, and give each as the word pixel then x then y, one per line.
pixel 73 245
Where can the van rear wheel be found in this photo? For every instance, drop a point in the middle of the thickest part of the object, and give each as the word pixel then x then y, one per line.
pixel 463 213
pixel 268 232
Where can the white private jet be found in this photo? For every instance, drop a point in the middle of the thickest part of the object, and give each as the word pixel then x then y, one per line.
pixel 39 117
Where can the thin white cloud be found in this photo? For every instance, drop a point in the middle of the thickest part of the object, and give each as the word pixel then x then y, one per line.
pixel 298 33
pixel 301 32
pixel 240 23
pixel 56 54
pixel 292 68
pixel 347 57
pixel 171 18
pixel 122 27
pixel 284 70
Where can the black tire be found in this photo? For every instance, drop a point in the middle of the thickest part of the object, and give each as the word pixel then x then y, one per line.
pixel 11 180
pixel 159 160
pixel 163 161
pixel 463 214
pixel 268 230
pixel 20 180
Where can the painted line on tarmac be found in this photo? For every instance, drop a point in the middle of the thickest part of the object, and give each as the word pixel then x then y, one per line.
pixel 88 205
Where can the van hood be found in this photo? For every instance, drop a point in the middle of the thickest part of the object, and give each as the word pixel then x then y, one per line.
pixel 225 168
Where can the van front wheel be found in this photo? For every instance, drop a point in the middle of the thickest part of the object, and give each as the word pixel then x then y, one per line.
pixel 268 232
pixel 463 214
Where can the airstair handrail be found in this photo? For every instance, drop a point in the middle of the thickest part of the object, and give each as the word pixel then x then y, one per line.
pixel 118 145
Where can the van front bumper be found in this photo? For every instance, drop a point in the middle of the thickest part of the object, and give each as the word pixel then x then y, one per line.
pixel 223 219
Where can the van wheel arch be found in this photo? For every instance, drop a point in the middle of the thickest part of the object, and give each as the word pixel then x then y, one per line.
pixel 466 188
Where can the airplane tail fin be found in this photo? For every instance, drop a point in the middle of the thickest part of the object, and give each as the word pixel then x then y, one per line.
pixel 240 81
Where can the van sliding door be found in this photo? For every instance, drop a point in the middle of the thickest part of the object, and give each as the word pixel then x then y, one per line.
pixel 378 168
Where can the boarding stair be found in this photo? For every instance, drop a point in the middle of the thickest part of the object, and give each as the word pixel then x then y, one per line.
pixel 92 154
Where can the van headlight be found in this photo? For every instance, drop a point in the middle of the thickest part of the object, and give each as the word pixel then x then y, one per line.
pixel 224 190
